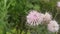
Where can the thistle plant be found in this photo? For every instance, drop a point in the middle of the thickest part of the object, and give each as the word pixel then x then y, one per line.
pixel 35 18
pixel 29 16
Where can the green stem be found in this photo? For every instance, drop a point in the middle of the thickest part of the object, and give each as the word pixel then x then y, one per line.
pixel 56 14
pixel 21 31
pixel 56 32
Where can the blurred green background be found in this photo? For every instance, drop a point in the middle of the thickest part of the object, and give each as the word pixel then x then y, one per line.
pixel 13 15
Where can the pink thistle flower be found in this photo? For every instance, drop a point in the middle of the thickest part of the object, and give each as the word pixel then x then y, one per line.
pixel 53 26
pixel 34 18
pixel 47 17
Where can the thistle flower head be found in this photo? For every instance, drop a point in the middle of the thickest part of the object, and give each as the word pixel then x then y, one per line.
pixel 53 26
pixel 34 18
pixel 47 17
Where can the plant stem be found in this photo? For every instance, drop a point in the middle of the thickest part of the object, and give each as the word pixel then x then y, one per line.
pixel 56 14
pixel 56 32
pixel 21 31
